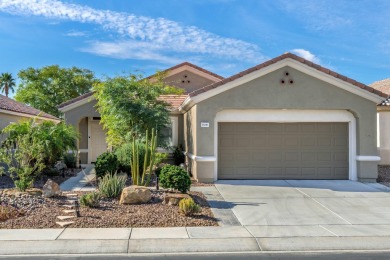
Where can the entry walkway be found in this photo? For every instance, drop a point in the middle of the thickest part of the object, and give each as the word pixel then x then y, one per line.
pixel 80 182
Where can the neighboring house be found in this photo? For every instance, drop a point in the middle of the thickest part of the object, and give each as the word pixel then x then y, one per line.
pixel 82 114
pixel 383 122
pixel 13 111
pixel 286 118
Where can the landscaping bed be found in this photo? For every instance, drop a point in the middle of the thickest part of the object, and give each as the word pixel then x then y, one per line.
pixel 6 182
pixel 38 212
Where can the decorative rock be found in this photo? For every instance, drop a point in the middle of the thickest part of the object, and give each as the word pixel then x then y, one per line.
pixel 64 224
pixel 135 195
pixel 64 217
pixel 51 189
pixel 60 166
pixel 174 198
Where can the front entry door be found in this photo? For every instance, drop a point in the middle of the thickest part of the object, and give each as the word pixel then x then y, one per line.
pixel 98 143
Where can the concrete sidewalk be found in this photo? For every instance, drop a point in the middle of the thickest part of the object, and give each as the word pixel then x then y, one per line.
pixel 189 239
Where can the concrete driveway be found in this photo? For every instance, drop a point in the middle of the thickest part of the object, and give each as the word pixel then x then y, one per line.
pixel 309 208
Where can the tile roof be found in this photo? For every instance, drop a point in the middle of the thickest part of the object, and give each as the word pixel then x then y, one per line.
pixel 382 85
pixel 74 100
pixel 282 57
pixel 174 100
pixel 191 65
pixel 14 106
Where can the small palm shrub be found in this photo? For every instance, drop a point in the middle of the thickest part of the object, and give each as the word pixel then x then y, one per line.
pixel 106 163
pixel 175 177
pixel 111 186
pixel 90 200
pixel 188 207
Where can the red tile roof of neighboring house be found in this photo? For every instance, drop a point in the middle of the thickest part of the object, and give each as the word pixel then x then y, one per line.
pixel 282 57
pixel 382 85
pixel 74 100
pixel 14 106
pixel 174 100
pixel 191 65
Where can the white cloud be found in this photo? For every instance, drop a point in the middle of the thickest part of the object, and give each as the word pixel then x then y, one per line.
pixel 157 34
pixel 129 50
pixel 75 34
pixel 306 55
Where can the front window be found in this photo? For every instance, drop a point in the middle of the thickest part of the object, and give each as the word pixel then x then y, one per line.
pixel 168 135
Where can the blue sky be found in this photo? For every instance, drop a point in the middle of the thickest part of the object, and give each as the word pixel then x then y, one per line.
pixel 225 36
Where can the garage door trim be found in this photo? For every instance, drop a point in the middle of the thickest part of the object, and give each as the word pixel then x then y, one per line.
pixel 290 116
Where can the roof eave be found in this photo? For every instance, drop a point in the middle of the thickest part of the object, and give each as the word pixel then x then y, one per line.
pixel 193 99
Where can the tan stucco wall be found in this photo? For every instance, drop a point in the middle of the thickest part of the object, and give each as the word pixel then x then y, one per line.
pixel 196 81
pixel 78 117
pixel 181 129
pixel 6 119
pixel 87 110
pixel 307 93
pixel 384 136
pixel 83 130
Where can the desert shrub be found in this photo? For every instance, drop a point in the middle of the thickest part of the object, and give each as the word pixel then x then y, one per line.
pixel 188 207
pixel 70 160
pixel 178 155
pixel 106 163
pixel 8 212
pixel 90 200
pixel 175 177
pixel 111 186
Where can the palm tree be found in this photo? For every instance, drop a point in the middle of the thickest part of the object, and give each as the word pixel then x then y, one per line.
pixel 7 83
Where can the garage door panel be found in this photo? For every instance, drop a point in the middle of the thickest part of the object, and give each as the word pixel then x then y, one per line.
pixel 292 156
pixel 308 127
pixel 283 150
pixel 308 141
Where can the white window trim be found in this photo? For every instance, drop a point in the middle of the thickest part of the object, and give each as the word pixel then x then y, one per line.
pixel 290 116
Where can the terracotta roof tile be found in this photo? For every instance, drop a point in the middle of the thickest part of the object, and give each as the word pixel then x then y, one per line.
pixel 294 57
pixel 382 85
pixel 14 106
pixel 174 100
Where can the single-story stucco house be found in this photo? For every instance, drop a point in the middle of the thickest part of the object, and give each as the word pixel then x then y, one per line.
pixel 383 120
pixel 286 118
pixel 13 111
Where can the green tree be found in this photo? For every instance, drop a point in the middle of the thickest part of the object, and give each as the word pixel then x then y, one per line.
pixel 7 83
pixel 130 105
pixel 45 88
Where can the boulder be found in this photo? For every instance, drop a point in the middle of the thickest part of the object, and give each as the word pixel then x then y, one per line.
pixel 135 195
pixel 51 189
pixel 60 166
pixel 174 198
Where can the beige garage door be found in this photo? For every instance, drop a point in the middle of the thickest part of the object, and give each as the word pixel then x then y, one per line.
pixel 282 151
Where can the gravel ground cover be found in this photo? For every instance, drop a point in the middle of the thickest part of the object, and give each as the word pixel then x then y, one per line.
pixel 39 212
pixel 384 175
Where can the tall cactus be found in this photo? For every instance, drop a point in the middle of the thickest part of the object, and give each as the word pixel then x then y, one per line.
pixel 140 178
pixel 153 146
